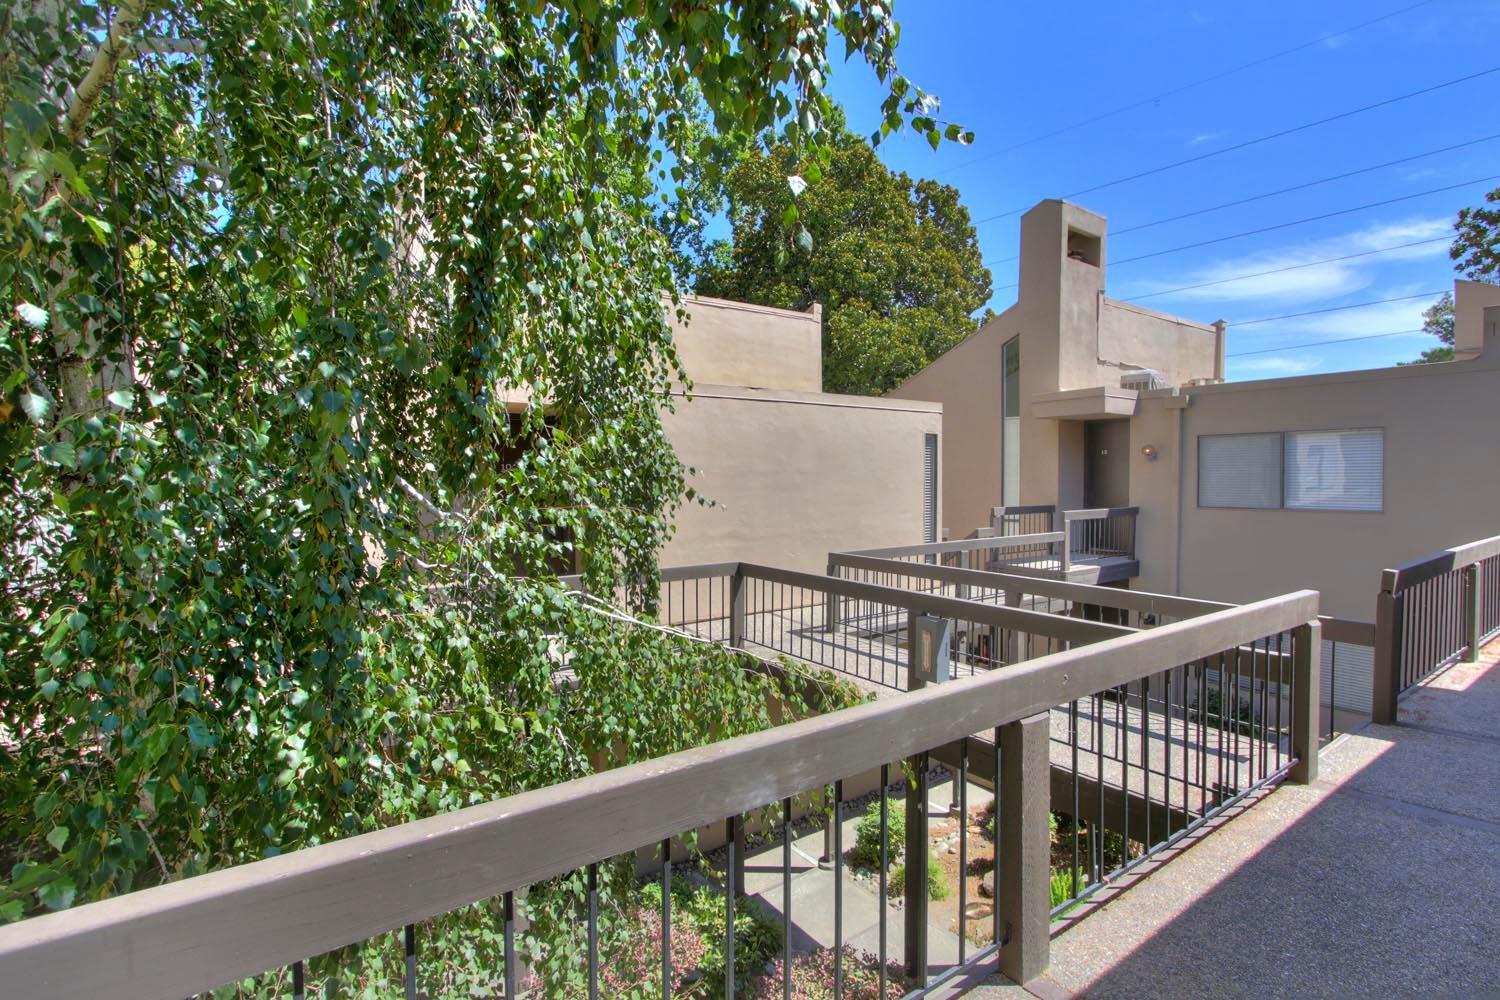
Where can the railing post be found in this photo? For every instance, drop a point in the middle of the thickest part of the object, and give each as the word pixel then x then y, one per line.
pixel 831 603
pixel 914 905
pixel 1067 545
pixel 1387 673
pixel 737 608
pixel 1471 597
pixel 1023 848
pixel 1306 700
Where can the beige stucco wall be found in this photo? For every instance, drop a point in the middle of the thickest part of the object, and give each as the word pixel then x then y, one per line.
pixel 1442 481
pixel 967 381
pixel 736 343
pixel 1131 336
pixel 797 475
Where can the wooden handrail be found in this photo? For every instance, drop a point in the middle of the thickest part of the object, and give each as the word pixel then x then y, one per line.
pixel 1115 597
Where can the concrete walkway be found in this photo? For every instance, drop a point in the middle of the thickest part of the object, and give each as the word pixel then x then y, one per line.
pixel 1380 879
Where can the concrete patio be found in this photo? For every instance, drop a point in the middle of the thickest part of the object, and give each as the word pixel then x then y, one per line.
pixel 1378 879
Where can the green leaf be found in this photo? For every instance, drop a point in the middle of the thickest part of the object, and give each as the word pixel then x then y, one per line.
pixel 58 894
pixel 58 838
pixel 123 398
pixel 38 408
pixel 32 315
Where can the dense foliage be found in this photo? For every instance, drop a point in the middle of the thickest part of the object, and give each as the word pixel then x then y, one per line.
pixel 1438 320
pixel 329 332
pixel 894 262
pixel 1476 248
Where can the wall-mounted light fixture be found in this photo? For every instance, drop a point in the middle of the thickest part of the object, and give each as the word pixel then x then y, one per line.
pixel 1148 452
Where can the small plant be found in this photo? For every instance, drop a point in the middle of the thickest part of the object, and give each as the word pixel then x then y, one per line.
pixel 865 854
pixel 937 886
pixel 1061 885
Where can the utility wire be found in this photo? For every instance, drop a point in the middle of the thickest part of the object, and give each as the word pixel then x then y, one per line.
pixel 1333 309
pixel 1303 186
pixel 1300 222
pixel 1323 343
pixel 1284 225
pixel 1256 141
pixel 1181 88
pixel 1280 270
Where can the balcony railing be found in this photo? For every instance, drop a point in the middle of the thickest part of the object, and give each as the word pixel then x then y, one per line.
pixel 1432 612
pixel 1125 732
pixel 860 628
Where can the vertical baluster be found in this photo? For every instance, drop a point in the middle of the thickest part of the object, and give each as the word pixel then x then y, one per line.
pixel 666 917
pixel 410 935
pixel 786 899
pixel 593 942
pixel 299 988
pixel 1166 787
pixel 996 930
pixel 1073 738
pixel 729 846
pixel 885 827
pixel 1099 775
pixel 838 890
pixel 1146 754
pixel 963 846
pixel 509 917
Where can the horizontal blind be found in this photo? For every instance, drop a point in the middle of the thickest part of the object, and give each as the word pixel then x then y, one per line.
pixel 1239 470
pixel 1335 470
pixel 929 488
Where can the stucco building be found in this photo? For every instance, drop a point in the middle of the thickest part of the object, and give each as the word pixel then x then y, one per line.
pixel 791 472
pixel 1244 489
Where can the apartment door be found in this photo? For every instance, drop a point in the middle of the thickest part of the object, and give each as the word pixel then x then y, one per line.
pixel 1106 468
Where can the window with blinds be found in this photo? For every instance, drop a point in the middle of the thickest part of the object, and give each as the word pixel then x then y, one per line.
pixel 1295 470
pixel 1335 470
pixel 1239 470
pixel 929 488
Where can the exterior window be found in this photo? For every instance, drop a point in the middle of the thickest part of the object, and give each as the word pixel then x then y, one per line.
pixel 1239 470
pixel 1296 470
pixel 1010 420
pixel 1335 470
pixel 929 488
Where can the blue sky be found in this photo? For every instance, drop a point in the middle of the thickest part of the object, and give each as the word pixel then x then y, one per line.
pixel 1015 71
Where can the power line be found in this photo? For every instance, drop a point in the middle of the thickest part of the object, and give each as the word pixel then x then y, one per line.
pixel 1256 141
pixel 1181 88
pixel 1303 186
pixel 1324 343
pixel 1300 222
pixel 1334 309
pixel 1279 270
pixel 1283 225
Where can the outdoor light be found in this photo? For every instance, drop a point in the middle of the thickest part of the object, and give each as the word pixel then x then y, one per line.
pixel 1148 452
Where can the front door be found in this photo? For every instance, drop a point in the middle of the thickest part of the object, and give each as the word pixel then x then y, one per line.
pixel 1106 469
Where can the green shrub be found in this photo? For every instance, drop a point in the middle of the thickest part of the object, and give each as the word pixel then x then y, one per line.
pixel 1061 885
pixel 937 886
pixel 866 851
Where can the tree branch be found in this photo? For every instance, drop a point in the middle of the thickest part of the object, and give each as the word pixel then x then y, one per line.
pixel 106 60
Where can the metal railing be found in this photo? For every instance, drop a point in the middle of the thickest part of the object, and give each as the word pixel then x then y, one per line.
pixel 1027 519
pixel 1040 552
pixel 860 628
pixel 1432 612
pixel 1348 656
pixel 1131 714
pixel 1114 605
pixel 1101 533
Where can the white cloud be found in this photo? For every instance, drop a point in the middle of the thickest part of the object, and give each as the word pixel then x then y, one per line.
pixel 1203 137
pixel 1316 281
pixel 1272 366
